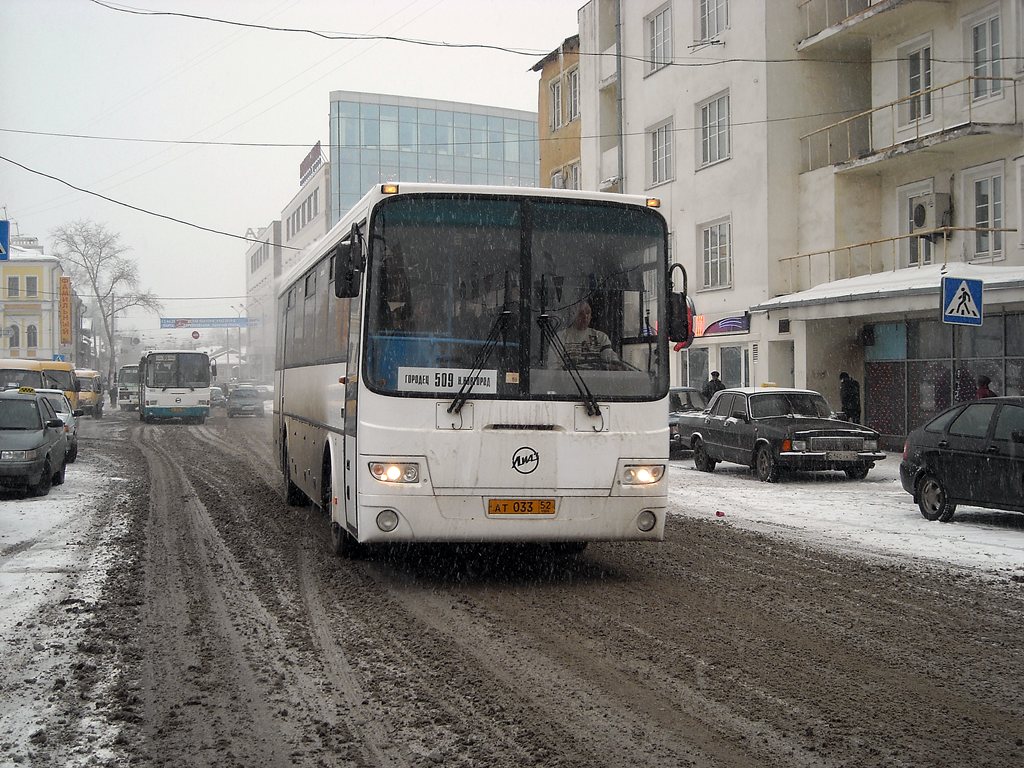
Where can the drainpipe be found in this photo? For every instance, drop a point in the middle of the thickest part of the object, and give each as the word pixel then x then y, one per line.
pixel 621 95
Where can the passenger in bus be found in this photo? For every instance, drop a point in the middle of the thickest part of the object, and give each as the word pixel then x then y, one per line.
pixel 587 347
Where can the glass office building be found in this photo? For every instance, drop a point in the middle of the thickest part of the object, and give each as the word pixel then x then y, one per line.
pixel 377 138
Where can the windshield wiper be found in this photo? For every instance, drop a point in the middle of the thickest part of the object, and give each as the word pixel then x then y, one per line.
pixel 544 321
pixel 498 328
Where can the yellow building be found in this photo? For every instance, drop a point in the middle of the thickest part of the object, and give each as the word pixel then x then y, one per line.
pixel 558 116
pixel 36 307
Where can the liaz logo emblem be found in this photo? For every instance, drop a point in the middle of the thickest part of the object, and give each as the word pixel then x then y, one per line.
pixel 525 460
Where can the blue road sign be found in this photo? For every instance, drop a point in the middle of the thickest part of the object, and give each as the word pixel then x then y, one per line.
pixel 204 322
pixel 5 239
pixel 962 301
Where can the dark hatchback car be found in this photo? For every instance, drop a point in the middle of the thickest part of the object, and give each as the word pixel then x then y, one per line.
pixel 681 400
pixel 245 400
pixel 972 454
pixel 776 429
pixel 33 444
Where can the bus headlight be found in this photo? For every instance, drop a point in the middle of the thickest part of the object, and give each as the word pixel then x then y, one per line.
pixel 395 472
pixel 642 474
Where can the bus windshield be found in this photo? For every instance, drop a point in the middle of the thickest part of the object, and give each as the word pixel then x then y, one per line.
pixel 517 295
pixel 177 369
pixel 56 379
pixel 13 378
pixel 128 375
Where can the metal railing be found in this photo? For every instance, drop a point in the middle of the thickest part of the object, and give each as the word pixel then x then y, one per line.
pixel 925 113
pixel 874 257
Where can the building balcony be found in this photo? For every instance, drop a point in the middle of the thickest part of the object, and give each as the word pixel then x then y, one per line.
pixel 877 257
pixel 959 111
pixel 608 72
pixel 842 22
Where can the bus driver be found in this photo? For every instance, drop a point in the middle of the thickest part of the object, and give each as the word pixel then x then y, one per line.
pixel 587 347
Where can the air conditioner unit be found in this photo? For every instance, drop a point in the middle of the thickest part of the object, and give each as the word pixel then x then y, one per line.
pixel 557 180
pixel 930 211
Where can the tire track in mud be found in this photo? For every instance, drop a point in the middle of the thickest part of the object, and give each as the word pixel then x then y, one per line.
pixel 214 672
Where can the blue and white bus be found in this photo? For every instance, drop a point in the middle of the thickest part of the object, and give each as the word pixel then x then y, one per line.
pixel 435 381
pixel 174 384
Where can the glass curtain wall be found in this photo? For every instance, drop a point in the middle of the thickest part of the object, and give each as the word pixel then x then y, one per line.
pixel 375 143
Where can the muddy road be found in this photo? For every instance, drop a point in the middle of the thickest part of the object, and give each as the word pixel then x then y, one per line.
pixel 225 634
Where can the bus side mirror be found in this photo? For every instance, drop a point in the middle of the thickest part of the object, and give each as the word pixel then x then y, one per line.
pixel 348 265
pixel 680 320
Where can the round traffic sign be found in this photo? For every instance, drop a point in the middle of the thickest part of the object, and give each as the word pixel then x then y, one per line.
pixel 195 334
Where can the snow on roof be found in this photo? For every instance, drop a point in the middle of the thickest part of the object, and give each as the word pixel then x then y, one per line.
pixel 900 282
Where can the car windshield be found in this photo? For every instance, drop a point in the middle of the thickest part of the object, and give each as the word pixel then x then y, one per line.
pixel 789 404
pixel 59 403
pixel 245 393
pixel 686 400
pixel 19 414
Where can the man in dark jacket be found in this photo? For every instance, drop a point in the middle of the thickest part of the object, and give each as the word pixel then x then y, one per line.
pixel 849 397
pixel 714 384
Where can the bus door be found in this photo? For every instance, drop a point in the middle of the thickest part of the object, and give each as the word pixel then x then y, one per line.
pixel 352 373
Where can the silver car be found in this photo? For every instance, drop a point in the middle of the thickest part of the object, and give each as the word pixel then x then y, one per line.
pixel 68 415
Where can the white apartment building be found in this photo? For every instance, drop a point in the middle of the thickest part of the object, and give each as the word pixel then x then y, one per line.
pixel 792 143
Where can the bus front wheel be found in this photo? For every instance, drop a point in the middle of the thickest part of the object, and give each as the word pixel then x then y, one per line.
pixel 293 497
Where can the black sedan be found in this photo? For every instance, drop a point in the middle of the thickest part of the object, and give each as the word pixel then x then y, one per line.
pixel 972 453
pixel 681 400
pixel 245 400
pixel 776 429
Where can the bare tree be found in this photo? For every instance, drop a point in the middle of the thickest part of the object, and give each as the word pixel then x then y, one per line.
pixel 95 259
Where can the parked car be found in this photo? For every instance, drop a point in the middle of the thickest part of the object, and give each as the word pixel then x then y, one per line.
pixel 68 415
pixel 245 400
pixel 776 429
pixel 33 445
pixel 972 453
pixel 217 397
pixel 681 400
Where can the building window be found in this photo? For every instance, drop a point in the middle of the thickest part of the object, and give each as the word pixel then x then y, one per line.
pixel 659 39
pixel 661 153
pixel 556 105
pixel 985 195
pixel 985 46
pixel 714 130
pixel 31 337
pixel 713 18
pixel 716 249
pixel 32 286
pixel 572 176
pixel 573 105
pixel 915 66
pixel 15 336
pixel 12 288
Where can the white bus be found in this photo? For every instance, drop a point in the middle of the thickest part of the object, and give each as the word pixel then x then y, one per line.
pixel 128 387
pixel 174 384
pixel 426 388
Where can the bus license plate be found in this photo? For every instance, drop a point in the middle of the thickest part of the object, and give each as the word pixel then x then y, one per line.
pixel 520 506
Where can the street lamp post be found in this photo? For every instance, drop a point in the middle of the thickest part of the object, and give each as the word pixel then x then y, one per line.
pixel 238 311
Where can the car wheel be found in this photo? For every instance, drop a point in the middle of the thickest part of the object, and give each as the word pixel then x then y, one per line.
pixel 856 473
pixel 58 477
pixel 932 499
pixel 701 460
pixel 45 482
pixel 765 465
pixel 73 454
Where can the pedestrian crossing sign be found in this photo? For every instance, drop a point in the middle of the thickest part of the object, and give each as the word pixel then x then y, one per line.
pixel 962 301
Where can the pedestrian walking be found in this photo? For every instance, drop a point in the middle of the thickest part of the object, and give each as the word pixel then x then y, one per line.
pixel 714 384
pixel 849 396
pixel 112 392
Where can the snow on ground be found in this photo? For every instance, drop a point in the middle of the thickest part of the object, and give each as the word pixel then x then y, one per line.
pixel 873 517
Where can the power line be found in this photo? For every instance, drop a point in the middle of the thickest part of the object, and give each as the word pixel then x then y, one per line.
pixel 357 37
pixel 142 210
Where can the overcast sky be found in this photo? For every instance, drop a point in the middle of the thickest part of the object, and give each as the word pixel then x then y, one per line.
pixel 76 67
